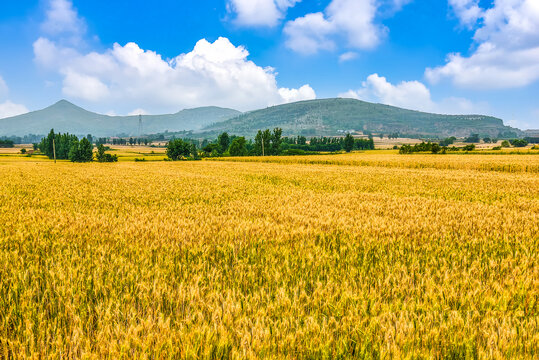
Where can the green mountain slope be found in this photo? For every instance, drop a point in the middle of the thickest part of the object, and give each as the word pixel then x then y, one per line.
pixel 66 117
pixel 330 117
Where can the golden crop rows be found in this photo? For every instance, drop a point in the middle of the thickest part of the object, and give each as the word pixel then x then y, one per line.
pixel 525 162
pixel 216 259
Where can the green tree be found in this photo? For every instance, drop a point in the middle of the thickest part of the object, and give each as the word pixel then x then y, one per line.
pixel 194 151
pixel 266 141
pixel 101 156
pixel 81 151
pixel 238 147
pixel 211 149
pixel 224 142
pixel 348 143
pixel 505 143
pixel 257 148
pixel 473 138
pixel 178 149
pixel 276 140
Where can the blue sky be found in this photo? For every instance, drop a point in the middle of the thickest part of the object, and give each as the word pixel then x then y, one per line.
pixel 135 56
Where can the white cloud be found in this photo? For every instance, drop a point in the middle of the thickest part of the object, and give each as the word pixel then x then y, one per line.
pixel 84 86
pixel 407 94
pixel 217 73
pixel 399 4
pixel 259 12
pixel 353 20
pixel 412 95
pixel 507 53
pixel 8 109
pixel 310 34
pixel 62 20
pixel 347 56
pixel 467 11
pixel 292 95
pixel 138 112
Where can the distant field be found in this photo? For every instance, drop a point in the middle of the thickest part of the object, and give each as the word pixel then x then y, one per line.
pixel 363 255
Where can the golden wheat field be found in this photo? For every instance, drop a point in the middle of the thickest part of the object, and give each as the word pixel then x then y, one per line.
pixel 379 256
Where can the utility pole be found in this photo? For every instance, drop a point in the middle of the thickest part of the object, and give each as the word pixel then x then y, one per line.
pixel 54 149
pixel 140 125
pixel 262 145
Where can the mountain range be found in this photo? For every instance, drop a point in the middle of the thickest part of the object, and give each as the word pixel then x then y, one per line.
pixel 329 117
pixel 67 117
pixel 325 117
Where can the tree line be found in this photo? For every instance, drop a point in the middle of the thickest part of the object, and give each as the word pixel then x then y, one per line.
pixel 266 143
pixel 68 147
pixel 5 143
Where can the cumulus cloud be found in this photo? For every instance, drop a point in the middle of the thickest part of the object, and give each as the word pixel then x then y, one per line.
pixel 217 73
pixel 351 19
pixel 412 95
pixel 62 20
pixel 8 108
pixel 259 12
pixel 303 93
pixel 467 11
pixel 407 94
pixel 507 52
pixel 347 56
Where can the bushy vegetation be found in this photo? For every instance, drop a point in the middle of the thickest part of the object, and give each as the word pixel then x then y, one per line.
pixel 327 144
pixel 179 149
pixel 432 147
pixel 66 147
pixel 519 143
pixel 81 151
pixel 101 156
pixel 26 139
pixel 474 138
pixel 422 147
pixel 448 141
pixel 271 143
pixel 4 143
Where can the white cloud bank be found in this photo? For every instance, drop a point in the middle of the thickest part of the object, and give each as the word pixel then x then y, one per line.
pixel 259 13
pixel 507 53
pixel 8 108
pixel 412 95
pixel 217 73
pixel 467 11
pixel 354 21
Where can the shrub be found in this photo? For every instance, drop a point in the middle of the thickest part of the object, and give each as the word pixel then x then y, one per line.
pixel 474 138
pixel 178 149
pixel 519 143
pixel 81 151
pixel 238 147
pixel 102 157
